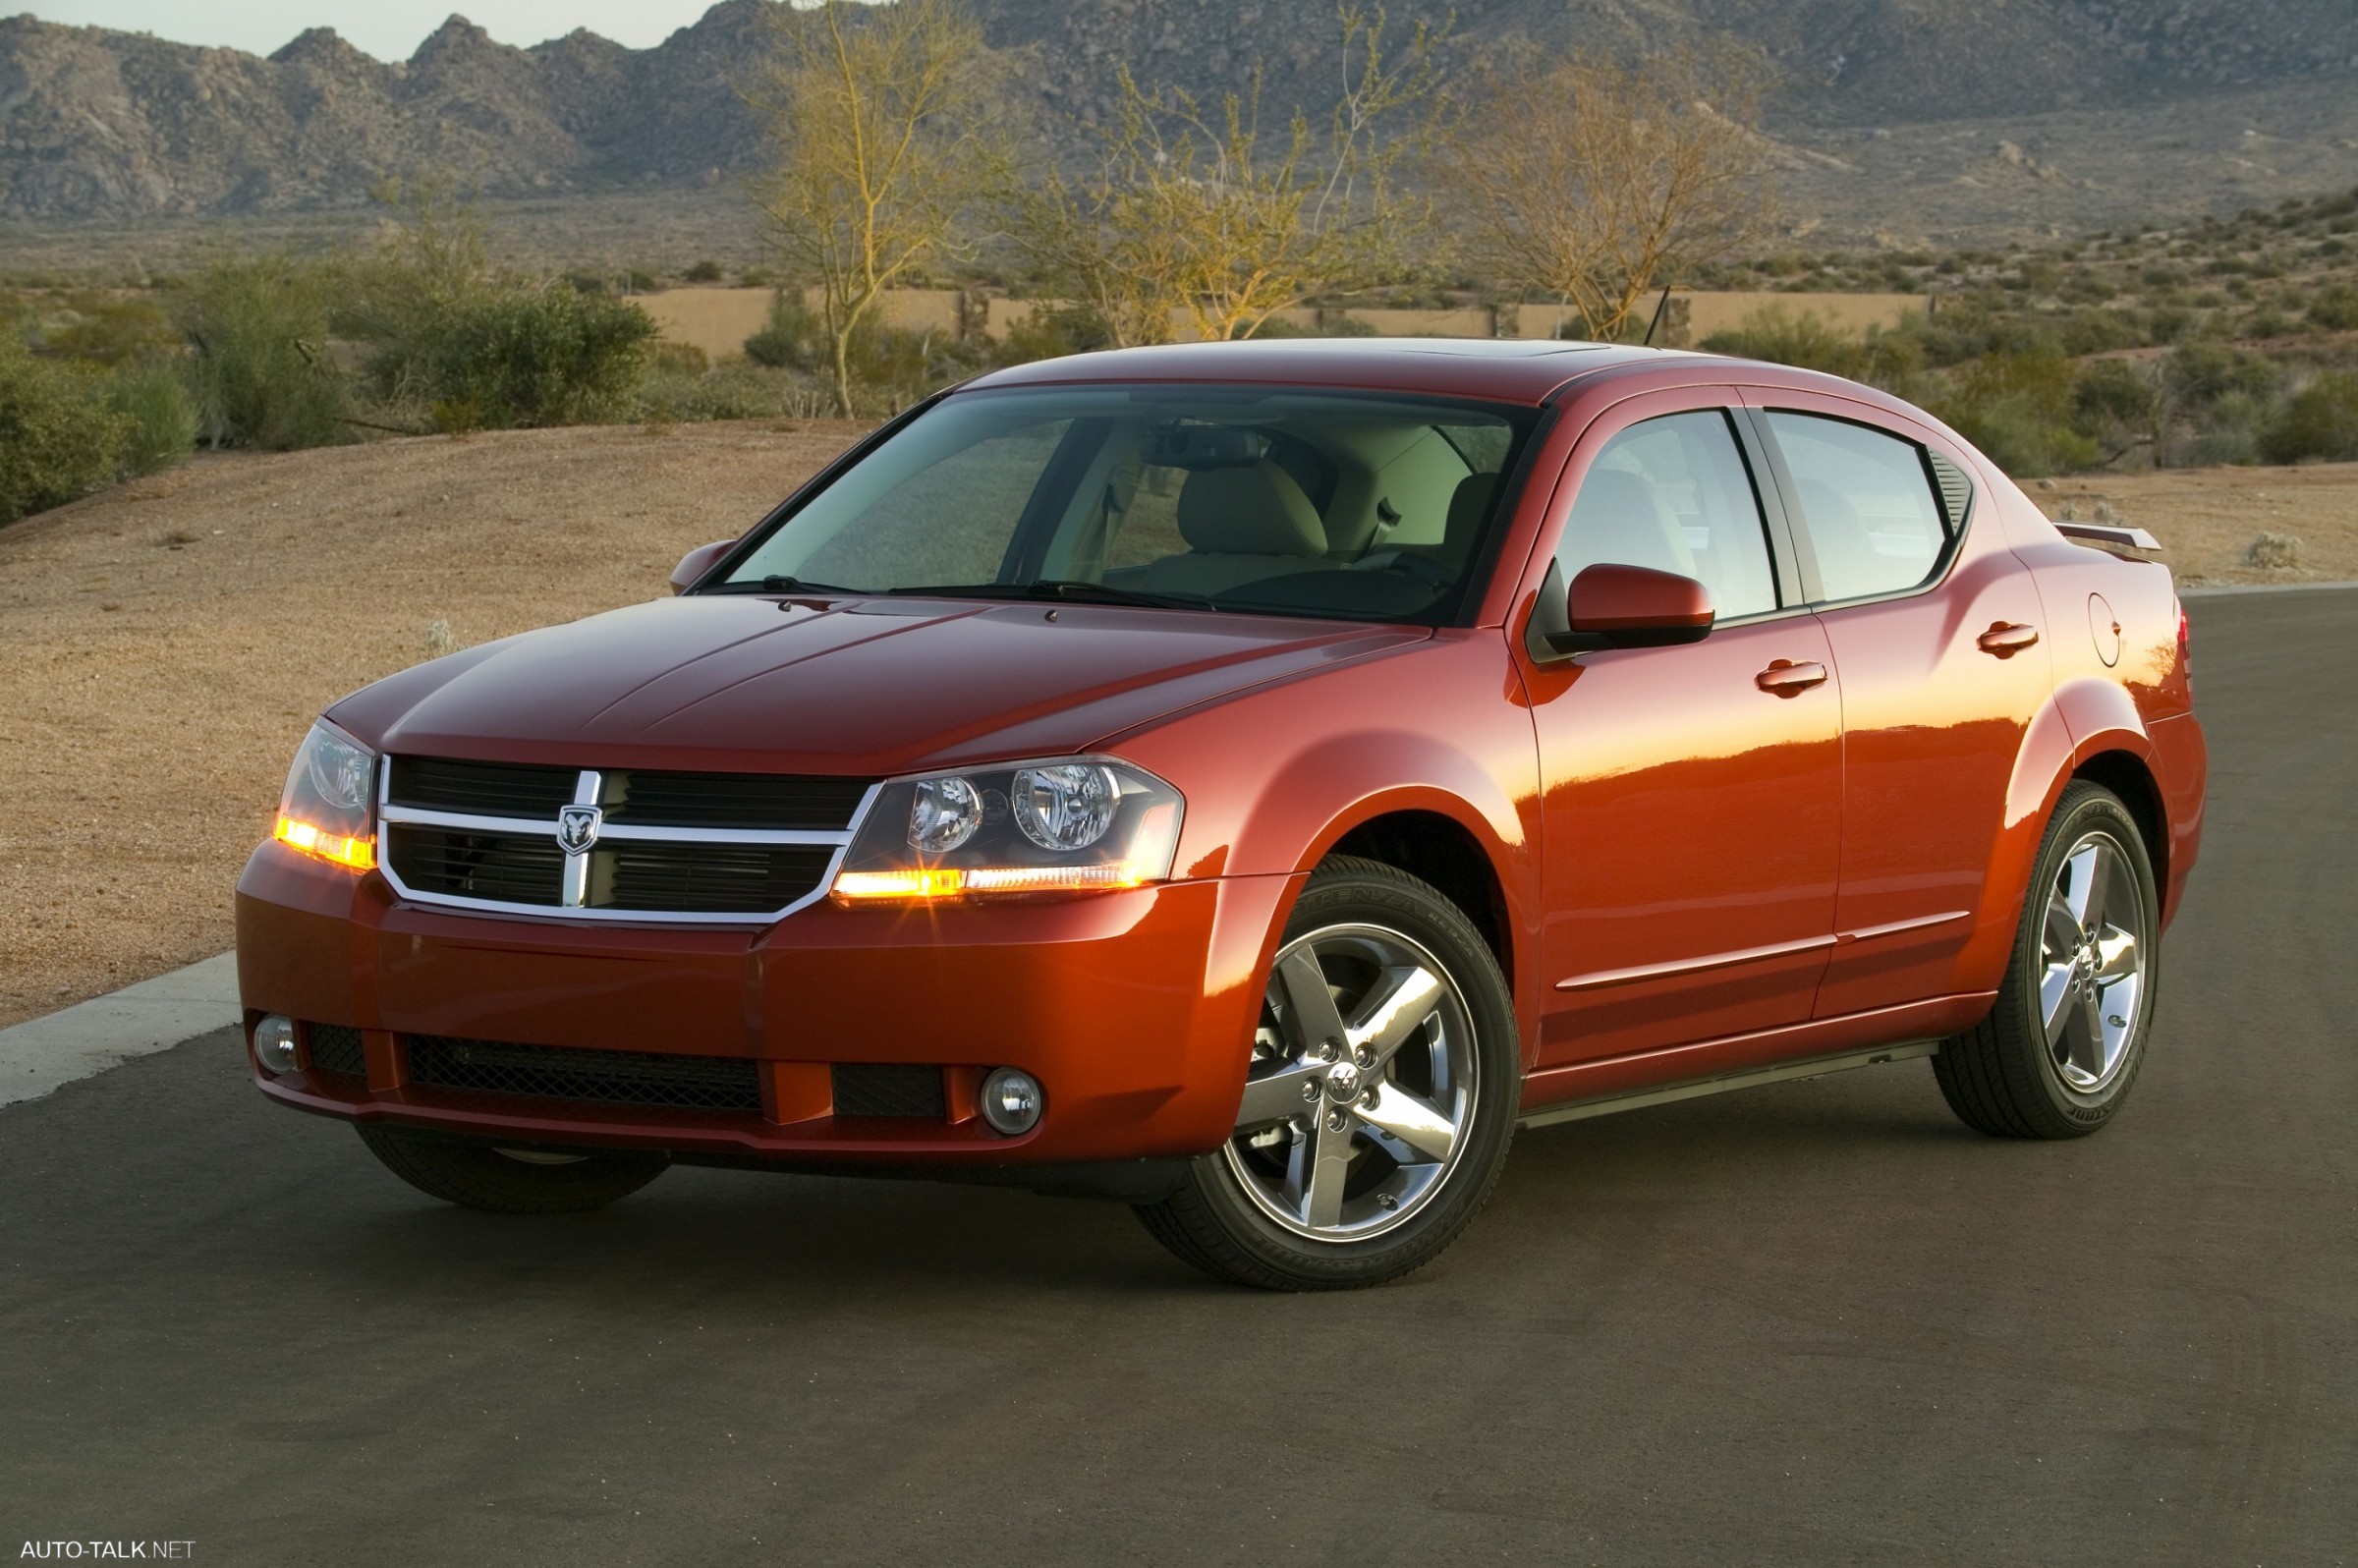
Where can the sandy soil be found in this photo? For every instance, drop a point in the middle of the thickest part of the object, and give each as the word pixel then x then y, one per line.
pixel 2208 518
pixel 168 641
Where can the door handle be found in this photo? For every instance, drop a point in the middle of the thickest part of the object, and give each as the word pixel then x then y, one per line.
pixel 1784 678
pixel 2007 639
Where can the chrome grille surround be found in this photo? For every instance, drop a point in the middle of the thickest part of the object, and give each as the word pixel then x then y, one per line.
pixel 616 831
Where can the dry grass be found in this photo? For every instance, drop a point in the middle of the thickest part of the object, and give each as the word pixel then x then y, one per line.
pixel 167 642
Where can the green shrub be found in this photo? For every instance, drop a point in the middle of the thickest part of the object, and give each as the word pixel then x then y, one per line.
pixel 2201 372
pixel 58 438
pixel 107 329
pixel 2019 409
pixel 1048 333
pixel 1807 341
pixel 1893 361
pixel 2319 421
pixel 672 393
pixel 2112 400
pixel 507 355
pixel 706 271
pixel 790 339
pixel 155 399
pixel 2229 430
pixel 2336 309
pixel 259 366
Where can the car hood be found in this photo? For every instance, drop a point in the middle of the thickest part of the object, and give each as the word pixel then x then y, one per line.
pixel 734 683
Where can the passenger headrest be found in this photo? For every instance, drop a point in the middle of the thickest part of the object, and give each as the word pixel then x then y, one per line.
pixel 1469 506
pixel 1254 511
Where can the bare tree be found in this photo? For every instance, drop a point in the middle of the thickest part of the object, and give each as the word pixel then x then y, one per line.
pixel 1189 223
pixel 1591 179
pixel 878 120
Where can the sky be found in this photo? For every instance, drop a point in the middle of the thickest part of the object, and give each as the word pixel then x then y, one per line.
pixel 390 29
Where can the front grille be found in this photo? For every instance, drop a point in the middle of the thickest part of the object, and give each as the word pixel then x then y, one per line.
pixel 607 1078
pixel 494 868
pixel 336 1048
pixel 732 800
pixel 481 789
pixel 669 845
pixel 888 1089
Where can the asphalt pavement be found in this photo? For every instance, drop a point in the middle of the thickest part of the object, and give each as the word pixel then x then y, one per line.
pixel 1814 1323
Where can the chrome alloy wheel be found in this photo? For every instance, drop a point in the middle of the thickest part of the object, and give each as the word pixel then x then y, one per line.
pixel 1361 1088
pixel 2092 953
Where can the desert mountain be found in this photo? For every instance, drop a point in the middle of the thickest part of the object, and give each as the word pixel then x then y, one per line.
pixel 104 125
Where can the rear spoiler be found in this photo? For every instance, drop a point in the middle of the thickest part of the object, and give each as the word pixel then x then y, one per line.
pixel 2130 544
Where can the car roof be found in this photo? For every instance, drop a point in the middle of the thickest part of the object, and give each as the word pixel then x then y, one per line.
pixel 1505 370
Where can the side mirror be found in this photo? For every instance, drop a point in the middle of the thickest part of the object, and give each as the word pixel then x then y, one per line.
pixel 697 562
pixel 1611 605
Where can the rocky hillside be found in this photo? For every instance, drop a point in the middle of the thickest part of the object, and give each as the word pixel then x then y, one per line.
pixel 98 124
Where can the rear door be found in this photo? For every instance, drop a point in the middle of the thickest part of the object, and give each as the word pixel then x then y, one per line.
pixel 1939 640
pixel 1692 808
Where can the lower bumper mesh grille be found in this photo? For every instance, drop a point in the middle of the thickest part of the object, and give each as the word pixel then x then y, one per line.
pixel 336 1048
pixel 873 1089
pixel 610 1078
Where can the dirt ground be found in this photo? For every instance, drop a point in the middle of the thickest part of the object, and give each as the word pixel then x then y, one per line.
pixel 168 641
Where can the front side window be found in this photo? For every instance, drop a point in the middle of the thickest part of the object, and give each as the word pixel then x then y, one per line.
pixel 1266 500
pixel 1867 505
pixel 1674 494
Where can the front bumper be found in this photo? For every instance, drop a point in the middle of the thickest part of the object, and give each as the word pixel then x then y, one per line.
pixel 1133 1009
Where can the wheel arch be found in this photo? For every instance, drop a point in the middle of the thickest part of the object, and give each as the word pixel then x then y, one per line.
pixel 1436 848
pixel 2130 776
pixel 2089 729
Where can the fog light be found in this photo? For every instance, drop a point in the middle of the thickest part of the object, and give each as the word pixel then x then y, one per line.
pixel 275 1045
pixel 1011 1100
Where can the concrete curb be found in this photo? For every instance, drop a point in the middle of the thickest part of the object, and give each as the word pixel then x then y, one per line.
pixel 38 1055
pixel 2224 588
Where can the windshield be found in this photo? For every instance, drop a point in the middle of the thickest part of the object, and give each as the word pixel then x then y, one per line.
pixel 1266 500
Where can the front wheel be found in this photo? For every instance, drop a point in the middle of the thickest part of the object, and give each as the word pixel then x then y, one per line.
pixel 1380 1100
pixel 2058 1051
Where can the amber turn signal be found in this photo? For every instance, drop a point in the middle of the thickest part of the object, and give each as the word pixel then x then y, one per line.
pixel 355 854
pixel 932 883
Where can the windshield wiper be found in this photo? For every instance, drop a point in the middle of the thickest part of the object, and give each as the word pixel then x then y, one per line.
pixel 1060 588
pixel 780 582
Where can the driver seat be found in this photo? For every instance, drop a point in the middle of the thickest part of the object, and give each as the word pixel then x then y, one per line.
pixel 1241 525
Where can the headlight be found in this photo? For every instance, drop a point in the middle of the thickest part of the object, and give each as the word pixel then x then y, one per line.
pixel 328 810
pixel 1065 825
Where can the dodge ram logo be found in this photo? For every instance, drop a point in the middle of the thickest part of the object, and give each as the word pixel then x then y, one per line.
pixel 576 828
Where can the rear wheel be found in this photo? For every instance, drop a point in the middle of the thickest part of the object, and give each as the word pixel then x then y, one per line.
pixel 1378 1102
pixel 510 1180
pixel 2057 1054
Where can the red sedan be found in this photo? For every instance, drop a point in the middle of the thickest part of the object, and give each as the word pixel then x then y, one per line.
pixel 1250 780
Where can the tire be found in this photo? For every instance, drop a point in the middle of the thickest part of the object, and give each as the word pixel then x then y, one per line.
pixel 1388 1006
pixel 2013 1074
pixel 476 1175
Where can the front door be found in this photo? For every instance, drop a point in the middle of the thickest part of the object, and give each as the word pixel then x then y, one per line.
pixel 1692 800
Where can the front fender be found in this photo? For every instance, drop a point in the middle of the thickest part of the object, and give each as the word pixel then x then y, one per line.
pixel 1276 776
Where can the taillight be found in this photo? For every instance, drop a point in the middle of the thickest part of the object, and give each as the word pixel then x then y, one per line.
pixel 2185 658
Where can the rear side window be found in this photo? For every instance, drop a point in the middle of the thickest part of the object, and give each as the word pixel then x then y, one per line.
pixel 1867 506
pixel 1674 494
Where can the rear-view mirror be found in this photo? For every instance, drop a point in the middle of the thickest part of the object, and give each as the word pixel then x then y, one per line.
pixel 1611 605
pixel 696 563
